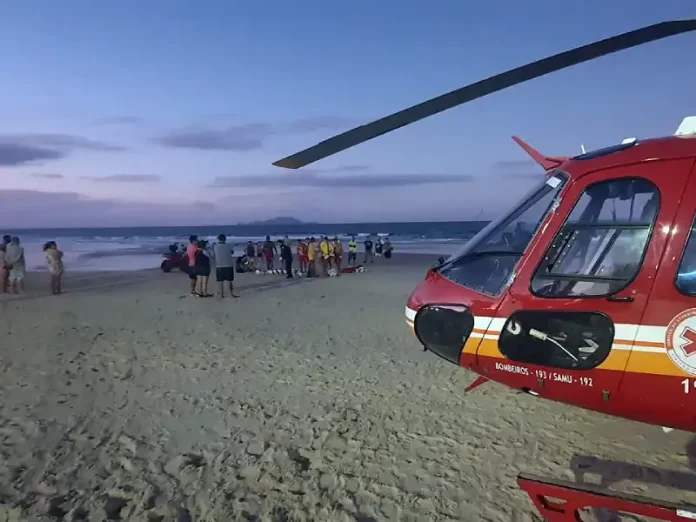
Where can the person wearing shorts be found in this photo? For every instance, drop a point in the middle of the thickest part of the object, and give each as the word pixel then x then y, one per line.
pixel 224 265
pixel 190 256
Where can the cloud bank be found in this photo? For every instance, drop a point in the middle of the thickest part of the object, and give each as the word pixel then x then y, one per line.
pixel 124 178
pixel 21 149
pixel 245 137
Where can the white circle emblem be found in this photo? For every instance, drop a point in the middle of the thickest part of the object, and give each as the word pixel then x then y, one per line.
pixel 680 340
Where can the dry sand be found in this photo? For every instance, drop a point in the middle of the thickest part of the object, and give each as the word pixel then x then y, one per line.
pixel 124 398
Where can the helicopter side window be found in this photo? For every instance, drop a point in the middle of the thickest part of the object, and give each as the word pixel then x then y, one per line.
pixel 686 275
pixel 600 248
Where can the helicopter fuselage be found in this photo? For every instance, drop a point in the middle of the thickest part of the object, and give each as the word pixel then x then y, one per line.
pixel 595 306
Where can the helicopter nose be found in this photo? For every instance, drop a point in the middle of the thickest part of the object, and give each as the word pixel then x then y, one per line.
pixel 441 326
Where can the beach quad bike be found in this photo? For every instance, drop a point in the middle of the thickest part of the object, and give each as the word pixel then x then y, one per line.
pixel 585 291
pixel 174 259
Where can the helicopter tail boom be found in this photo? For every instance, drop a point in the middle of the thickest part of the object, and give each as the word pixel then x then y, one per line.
pixel 547 162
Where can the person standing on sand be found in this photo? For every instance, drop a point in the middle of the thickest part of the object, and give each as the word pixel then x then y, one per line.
pixel 54 261
pixel 14 258
pixel 224 265
pixel 311 258
pixel 269 252
pixel 3 269
pixel 302 254
pixel 324 255
pixel 369 253
pixel 338 254
pixel 286 255
pixel 251 254
pixel 4 282
pixel 190 255
pixel 202 270
pixel 352 251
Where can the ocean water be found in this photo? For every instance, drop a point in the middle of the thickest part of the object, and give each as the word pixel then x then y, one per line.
pixel 142 247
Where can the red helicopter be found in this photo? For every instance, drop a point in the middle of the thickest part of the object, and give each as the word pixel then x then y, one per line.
pixel 585 291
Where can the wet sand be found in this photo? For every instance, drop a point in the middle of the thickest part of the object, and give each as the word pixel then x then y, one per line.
pixel 303 400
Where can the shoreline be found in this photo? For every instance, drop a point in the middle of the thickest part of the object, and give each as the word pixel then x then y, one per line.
pixel 37 281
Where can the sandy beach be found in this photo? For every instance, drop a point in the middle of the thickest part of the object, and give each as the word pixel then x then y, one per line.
pixel 303 400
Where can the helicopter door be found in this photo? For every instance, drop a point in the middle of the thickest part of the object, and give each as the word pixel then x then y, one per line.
pixel 571 315
pixel 660 376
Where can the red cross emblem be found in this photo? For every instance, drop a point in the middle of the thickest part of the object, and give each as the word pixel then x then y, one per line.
pixel 689 335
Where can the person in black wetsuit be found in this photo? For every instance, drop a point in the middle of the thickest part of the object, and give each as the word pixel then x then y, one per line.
pixel 286 254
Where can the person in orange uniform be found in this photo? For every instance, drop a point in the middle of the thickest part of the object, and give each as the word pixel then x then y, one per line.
pixel 311 258
pixel 302 254
pixel 338 254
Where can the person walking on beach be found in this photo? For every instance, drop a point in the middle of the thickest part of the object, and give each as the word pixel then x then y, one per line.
pixel 54 262
pixel 14 259
pixel 352 251
pixel 224 265
pixel 369 253
pixel 302 254
pixel 190 255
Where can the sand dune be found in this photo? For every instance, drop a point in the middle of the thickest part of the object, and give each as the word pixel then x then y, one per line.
pixel 125 399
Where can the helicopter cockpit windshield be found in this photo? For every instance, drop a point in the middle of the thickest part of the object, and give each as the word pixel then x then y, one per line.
pixel 487 261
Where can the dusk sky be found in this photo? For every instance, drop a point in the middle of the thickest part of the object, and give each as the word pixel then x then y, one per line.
pixel 171 112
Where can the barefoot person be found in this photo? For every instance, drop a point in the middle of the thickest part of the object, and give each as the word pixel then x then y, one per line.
pixel 302 254
pixel 14 258
pixel 286 256
pixel 269 252
pixel 3 269
pixel 352 251
pixel 224 265
pixel 4 282
pixel 311 258
pixel 54 261
pixel 338 254
pixel 324 256
pixel 190 256
pixel 201 265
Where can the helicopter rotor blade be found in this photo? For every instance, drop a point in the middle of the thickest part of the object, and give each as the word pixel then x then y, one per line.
pixel 485 87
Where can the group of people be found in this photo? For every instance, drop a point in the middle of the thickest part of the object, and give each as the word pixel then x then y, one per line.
pixel 13 266
pixel 198 255
pixel 324 256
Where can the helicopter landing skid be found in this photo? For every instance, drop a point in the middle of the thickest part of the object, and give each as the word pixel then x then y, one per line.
pixel 561 501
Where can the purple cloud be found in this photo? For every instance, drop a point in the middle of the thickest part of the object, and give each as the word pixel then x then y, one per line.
pixel 514 164
pixel 21 149
pixel 27 209
pixel 61 142
pixel 41 175
pixel 14 155
pixel 314 178
pixel 234 137
pixel 124 178
pixel 244 137
pixel 118 120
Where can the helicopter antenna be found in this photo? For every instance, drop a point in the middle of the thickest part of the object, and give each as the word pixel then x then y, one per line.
pixel 485 87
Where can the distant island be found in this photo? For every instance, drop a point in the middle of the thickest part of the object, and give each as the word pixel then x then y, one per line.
pixel 282 220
